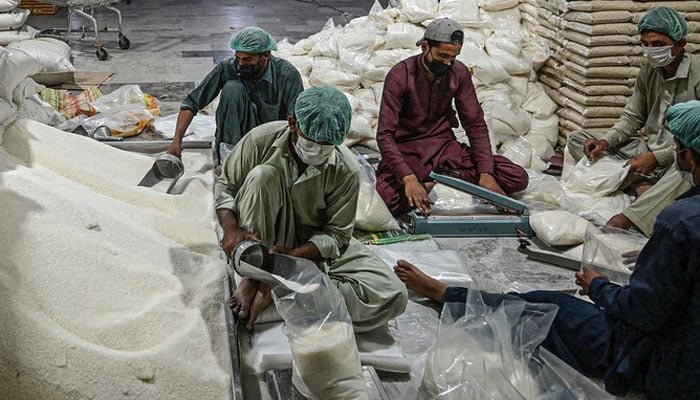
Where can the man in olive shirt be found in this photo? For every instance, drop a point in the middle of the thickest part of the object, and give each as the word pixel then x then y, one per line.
pixel 255 88
pixel 293 185
pixel 669 76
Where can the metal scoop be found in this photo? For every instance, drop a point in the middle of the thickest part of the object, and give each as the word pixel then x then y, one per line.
pixel 166 165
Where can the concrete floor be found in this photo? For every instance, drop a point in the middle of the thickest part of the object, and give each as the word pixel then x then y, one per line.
pixel 175 43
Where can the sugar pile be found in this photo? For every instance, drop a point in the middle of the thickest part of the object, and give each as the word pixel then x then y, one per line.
pixel 107 290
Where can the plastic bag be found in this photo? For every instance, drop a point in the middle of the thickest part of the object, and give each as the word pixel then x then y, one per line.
pixel 372 214
pixel 483 352
pixel 558 227
pixel 326 364
pixel 402 35
pixel 611 249
pixel 417 11
pixel 122 121
pixel 466 12
pixel 125 95
pixel 450 201
pixel 602 177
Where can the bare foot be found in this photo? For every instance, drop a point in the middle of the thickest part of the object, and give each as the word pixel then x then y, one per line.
pixel 419 282
pixel 242 298
pixel 619 221
pixel 262 300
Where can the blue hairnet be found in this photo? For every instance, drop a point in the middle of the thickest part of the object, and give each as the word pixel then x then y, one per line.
pixel 684 122
pixel 323 113
pixel 664 20
pixel 253 40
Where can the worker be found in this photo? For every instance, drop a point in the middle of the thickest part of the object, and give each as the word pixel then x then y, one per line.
pixel 416 118
pixel 254 86
pixel 643 335
pixel 293 185
pixel 669 75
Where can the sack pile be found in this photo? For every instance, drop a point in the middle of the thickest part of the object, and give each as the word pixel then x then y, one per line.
pixel 12 18
pixel 503 59
pixel 595 55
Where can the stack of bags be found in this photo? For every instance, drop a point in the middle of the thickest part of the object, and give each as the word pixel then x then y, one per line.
pixel 502 56
pixel 595 55
pixel 12 19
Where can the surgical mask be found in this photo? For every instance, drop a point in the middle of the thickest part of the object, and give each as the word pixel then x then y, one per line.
pixel 658 56
pixel 312 153
pixel 439 68
pixel 249 71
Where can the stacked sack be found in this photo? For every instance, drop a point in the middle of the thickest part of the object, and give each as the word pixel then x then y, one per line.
pixel 19 93
pixel 502 56
pixel 595 55
pixel 12 19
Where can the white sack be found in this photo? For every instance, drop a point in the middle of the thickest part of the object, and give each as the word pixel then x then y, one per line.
pixel 506 52
pixel 402 35
pixel 540 146
pixel 303 63
pixel 15 65
pixel 518 151
pixel 35 108
pixel 7 37
pixel 8 5
pixel 604 176
pixel 13 19
pixel 372 214
pixel 333 77
pixel 538 103
pixel 558 227
pixel 417 11
pixel 497 5
pixel 28 87
pixel 503 23
pixel 382 18
pixel 466 12
pixel 389 58
pixel 52 54
pixel 548 128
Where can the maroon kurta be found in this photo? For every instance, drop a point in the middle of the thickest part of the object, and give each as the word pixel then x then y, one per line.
pixel 415 132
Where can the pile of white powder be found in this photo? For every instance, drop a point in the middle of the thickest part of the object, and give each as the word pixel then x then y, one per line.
pixel 107 290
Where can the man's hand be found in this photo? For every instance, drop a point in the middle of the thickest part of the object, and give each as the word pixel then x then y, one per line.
pixel 592 148
pixel 175 149
pixel 585 278
pixel 487 181
pixel 307 250
pixel 416 194
pixel 232 237
pixel 643 164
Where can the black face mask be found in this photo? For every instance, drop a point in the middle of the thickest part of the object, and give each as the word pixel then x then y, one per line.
pixel 439 68
pixel 249 71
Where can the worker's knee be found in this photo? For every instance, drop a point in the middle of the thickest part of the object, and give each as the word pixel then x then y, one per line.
pixel 233 92
pixel 262 176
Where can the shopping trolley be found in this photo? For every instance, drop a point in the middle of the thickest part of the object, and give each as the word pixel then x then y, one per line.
pixel 85 9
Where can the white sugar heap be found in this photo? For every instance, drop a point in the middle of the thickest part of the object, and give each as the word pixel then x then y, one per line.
pixel 107 290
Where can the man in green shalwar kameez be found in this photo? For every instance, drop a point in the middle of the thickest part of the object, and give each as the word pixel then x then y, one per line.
pixel 293 185
pixel 254 87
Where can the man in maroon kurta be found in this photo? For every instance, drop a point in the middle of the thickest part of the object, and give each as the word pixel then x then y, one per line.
pixel 415 126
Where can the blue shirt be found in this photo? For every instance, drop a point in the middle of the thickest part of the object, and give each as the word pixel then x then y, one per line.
pixel 656 318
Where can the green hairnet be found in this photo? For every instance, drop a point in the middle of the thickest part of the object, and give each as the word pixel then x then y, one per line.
pixel 323 113
pixel 684 122
pixel 664 20
pixel 253 40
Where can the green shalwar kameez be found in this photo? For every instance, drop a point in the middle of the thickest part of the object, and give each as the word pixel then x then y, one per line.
pixel 260 182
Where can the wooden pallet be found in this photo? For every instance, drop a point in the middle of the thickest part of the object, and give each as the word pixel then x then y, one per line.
pixel 38 8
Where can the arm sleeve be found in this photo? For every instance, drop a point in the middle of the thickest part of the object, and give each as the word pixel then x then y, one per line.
pixel 471 115
pixel 233 172
pixel 655 289
pixel 292 87
pixel 634 115
pixel 342 204
pixel 664 156
pixel 207 90
pixel 389 122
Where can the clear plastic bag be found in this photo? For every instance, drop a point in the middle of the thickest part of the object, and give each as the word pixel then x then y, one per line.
pixel 484 352
pixel 372 214
pixel 326 364
pixel 612 251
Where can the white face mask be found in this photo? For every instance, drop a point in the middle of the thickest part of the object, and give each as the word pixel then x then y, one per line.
pixel 311 152
pixel 687 176
pixel 658 56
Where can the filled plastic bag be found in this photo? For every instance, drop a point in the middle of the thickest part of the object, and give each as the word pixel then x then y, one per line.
pixel 600 177
pixel 609 249
pixel 450 201
pixel 558 227
pixel 483 352
pixel 326 364
pixel 372 214
pixel 417 11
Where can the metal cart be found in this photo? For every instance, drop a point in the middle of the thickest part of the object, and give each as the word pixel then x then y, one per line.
pixel 89 31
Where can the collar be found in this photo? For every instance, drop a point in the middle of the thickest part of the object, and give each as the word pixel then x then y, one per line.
pixel 683 68
pixel 267 75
